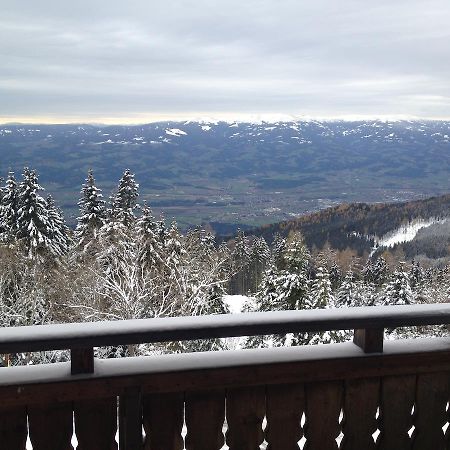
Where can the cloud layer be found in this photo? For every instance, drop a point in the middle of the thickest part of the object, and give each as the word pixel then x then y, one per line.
pixel 139 60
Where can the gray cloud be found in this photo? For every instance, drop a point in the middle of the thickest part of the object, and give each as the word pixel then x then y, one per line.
pixel 116 60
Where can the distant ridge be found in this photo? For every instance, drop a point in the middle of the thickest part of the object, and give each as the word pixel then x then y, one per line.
pixel 345 226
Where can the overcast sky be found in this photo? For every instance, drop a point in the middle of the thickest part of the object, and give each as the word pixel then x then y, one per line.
pixel 142 60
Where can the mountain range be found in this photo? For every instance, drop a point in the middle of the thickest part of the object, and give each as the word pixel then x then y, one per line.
pixel 238 173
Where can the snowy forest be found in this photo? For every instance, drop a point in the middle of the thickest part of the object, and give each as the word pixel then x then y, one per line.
pixel 120 262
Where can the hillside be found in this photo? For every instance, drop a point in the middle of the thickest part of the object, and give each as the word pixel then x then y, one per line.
pixel 358 226
pixel 245 173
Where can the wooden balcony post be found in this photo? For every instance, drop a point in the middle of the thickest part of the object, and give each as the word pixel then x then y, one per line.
pixel 82 360
pixel 369 339
pixel 130 419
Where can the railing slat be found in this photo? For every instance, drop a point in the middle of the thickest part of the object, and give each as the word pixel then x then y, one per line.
pixel 13 428
pixel 96 424
pixel 130 419
pixel 431 400
pixel 285 407
pixel 362 397
pixel 245 413
pixel 323 407
pixel 163 421
pixel 51 426
pixel 205 414
pixel 397 400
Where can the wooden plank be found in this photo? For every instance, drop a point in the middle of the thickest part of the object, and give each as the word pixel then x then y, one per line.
pixel 430 416
pixel 163 421
pixel 370 340
pixel 226 370
pixel 361 400
pixel 82 360
pixel 96 334
pixel 245 409
pixel 285 406
pixel 130 419
pixel 13 428
pixel 323 407
pixel 397 400
pixel 96 424
pixel 205 415
pixel 51 426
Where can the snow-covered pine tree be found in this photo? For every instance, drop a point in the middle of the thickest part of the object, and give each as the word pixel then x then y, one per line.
pixel 347 291
pixel 200 243
pixel 368 271
pixel 397 290
pixel 59 234
pixel 259 258
pixel 239 283
pixel 295 256
pixel 92 212
pixel 124 202
pixel 380 271
pixel 174 247
pixel 151 251
pixel 2 193
pixel 321 294
pixel 9 206
pixel 34 229
pixel 277 249
pixel 335 275
pixel 161 231
pixel 416 275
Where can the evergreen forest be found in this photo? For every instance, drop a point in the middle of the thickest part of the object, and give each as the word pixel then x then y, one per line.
pixel 122 262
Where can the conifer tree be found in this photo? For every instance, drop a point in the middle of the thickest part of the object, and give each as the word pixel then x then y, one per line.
pixel 174 247
pixel 92 211
pixel 33 225
pixel 259 257
pixel 380 271
pixel 150 249
pixel 335 275
pixel 59 233
pixel 368 272
pixel 9 206
pixel 321 295
pixel 277 249
pixel 2 194
pixel 416 275
pixel 295 255
pixel 124 202
pixel 397 290
pixel 241 260
pixel 346 294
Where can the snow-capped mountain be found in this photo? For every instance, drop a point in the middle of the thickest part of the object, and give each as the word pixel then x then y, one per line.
pixel 246 172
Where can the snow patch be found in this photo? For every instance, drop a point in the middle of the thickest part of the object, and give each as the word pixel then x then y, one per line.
pixel 405 233
pixel 175 132
pixel 236 303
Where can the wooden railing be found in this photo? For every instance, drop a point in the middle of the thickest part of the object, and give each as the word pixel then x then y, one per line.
pixel 364 396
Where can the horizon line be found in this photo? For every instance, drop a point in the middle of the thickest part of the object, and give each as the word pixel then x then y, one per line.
pixel 211 118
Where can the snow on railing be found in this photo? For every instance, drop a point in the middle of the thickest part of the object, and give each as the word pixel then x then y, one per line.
pixel 224 398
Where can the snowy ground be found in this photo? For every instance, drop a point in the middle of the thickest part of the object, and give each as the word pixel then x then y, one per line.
pixel 236 303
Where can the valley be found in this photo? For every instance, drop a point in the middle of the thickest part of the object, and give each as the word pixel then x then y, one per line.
pixel 235 173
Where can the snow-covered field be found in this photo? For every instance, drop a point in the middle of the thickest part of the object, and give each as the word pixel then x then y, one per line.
pixel 405 233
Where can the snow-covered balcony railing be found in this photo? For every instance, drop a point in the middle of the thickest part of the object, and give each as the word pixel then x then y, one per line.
pixel 320 395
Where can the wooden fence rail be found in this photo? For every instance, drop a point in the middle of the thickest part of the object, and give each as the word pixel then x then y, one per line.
pixel 345 396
